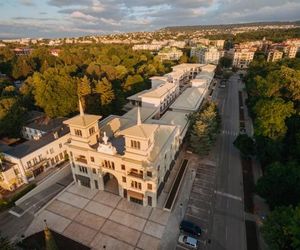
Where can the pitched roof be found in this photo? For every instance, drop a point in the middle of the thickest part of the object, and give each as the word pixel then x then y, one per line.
pixel 46 124
pixel 82 120
pixel 142 131
pixel 28 147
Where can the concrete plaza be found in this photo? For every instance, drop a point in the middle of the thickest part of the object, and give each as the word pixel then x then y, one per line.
pixel 102 220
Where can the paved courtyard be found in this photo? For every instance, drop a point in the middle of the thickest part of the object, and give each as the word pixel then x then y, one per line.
pixel 102 220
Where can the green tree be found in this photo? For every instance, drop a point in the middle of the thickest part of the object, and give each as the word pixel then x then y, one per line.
pixel 295 228
pixel 290 78
pixel 11 116
pixel 132 81
pixel 285 179
pixel 183 59
pixel 83 89
pixel 245 144
pixel 281 229
pixel 22 68
pixel 55 91
pixel 225 62
pixel 104 88
pixel 271 116
pixel 121 72
pixel 205 126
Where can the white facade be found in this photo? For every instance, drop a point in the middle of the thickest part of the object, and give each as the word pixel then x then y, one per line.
pixel 152 47
pixel 172 54
pixel 241 58
pixel 34 157
pixel 206 55
pixel 165 89
pixel 131 160
pixel 274 55
pixel 290 51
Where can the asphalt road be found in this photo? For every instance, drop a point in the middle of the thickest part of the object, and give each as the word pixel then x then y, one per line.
pixel 13 227
pixel 227 225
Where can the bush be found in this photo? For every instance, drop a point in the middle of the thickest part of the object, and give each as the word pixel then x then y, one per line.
pixel 7 203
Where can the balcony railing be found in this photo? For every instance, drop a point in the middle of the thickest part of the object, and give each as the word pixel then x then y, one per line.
pixel 82 160
pixel 136 175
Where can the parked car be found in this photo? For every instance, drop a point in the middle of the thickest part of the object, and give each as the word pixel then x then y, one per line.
pixel 188 241
pixel 190 228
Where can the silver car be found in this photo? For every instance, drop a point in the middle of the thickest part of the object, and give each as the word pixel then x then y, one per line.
pixel 188 241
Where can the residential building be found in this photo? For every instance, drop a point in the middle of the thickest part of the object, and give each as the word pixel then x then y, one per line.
pixel 218 43
pixel 241 57
pixel 40 125
pixel 151 47
pixel 204 78
pixel 178 44
pixel 290 51
pixel 170 53
pixel 294 42
pixel 274 55
pixel 55 52
pixel 26 160
pixel 22 51
pixel 206 55
pixel 9 175
pixel 166 88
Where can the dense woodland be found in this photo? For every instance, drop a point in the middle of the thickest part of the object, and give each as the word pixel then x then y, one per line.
pixel 275 35
pixel 101 75
pixel 274 104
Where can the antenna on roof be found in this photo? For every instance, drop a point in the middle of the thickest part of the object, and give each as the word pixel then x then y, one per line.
pixel 139 121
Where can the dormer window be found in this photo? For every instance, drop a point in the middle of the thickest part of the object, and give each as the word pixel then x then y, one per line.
pixel 135 144
pixel 78 132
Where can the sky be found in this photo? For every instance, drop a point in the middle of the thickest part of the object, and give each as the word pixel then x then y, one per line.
pixel 66 18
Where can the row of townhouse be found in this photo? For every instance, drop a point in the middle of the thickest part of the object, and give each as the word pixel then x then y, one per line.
pixel 132 155
pixel 165 89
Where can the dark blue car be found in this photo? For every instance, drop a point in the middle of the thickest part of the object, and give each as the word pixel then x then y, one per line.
pixel 190 227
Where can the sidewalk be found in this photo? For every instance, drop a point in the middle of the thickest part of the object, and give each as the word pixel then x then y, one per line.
pixel 261 208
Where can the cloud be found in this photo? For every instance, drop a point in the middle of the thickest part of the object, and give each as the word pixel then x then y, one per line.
pixel 34 18
pixel 82 16
pixel 27 2
pixel 107 16
pixel 63 3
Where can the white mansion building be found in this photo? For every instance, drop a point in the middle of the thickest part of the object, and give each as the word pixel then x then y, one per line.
pixel 130 155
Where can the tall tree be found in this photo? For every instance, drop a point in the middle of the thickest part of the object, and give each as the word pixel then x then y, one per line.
pixel 281 229
pixel 271 116
pixel 285 179
pixel 107 95
pixel 55 91
pixel 83 89
pixel 205 125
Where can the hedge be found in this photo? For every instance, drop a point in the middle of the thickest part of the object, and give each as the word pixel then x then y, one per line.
pixel 7 203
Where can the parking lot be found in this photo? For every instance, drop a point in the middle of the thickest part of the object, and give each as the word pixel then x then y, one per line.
pixel 199 207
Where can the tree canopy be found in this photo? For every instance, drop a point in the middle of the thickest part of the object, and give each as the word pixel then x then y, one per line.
pixel 205 126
